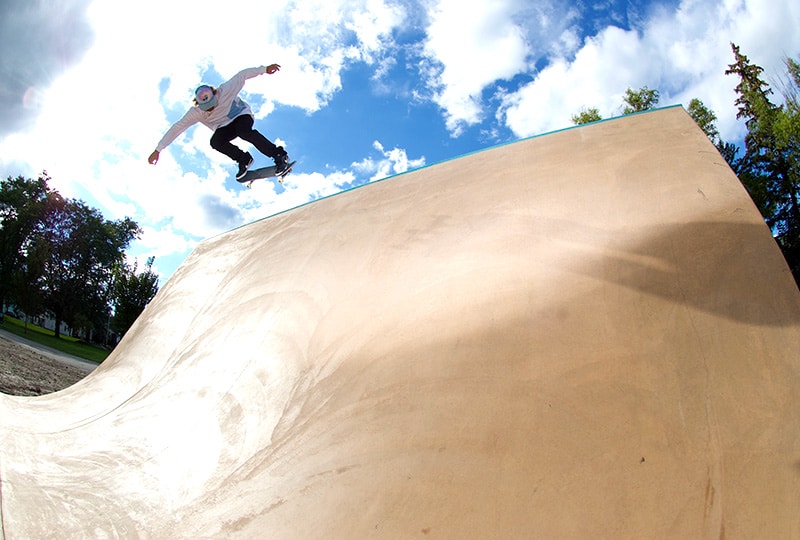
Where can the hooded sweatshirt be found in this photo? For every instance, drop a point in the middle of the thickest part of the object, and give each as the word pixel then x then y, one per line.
pixel 229 106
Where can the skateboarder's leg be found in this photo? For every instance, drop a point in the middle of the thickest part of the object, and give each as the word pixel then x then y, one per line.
pixel 245 131
pixel 221 142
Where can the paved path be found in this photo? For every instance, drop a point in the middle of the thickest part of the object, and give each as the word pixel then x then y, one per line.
pixel 50 352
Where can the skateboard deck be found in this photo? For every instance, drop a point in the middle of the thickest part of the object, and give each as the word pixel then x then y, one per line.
pixel 264 172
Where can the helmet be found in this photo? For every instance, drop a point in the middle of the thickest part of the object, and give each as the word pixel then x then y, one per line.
pixel 206 97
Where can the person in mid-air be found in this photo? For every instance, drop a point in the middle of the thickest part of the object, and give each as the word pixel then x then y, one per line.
pixel 222 110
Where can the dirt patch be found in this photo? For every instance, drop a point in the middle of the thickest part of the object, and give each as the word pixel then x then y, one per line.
pixel 24 372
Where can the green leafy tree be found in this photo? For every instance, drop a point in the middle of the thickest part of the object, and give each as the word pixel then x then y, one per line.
pixel 23 206
pixel 643 99
pixel 83 250
pixel 635 101
pixel 28 283
pixel 132 292
pixel 771 160
pixel 705 118
pixel 586 116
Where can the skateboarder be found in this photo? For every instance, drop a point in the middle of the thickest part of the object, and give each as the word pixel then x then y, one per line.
pixel 222 110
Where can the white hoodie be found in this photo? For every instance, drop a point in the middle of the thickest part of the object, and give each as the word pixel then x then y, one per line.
pixel 229 106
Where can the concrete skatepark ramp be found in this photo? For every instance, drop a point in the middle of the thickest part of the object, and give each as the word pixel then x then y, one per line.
pixel 598 339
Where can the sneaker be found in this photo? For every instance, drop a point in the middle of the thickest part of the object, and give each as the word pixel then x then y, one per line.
pixel 281 161
pixel 244 165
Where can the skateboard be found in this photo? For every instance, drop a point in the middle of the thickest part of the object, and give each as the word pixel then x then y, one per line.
pixel 264 172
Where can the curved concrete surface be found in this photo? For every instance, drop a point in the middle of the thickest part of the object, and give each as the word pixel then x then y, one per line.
pixel 597 339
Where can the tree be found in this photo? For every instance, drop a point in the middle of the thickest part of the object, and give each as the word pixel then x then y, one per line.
pixel 58 254
pixel 83 249
pixel 23 206
pixel 642 100
pixel 772 151
pixel 28 282
pixel 132 292
pixel 586 116
pixel 635 101
pixel 705 118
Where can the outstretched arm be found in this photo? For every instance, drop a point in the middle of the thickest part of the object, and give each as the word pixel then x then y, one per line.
pixel 191 117
pixel 235 84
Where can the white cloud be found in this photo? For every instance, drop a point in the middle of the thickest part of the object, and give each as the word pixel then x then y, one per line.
pixel 394 161
pixel 263 199
pixel 470 47
pixel 597 77
pixel 373 23
pixel 163 241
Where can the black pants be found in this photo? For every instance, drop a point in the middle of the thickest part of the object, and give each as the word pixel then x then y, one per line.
pixel 242 127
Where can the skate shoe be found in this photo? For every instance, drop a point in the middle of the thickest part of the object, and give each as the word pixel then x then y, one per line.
pixel 244 165
pixel 281 161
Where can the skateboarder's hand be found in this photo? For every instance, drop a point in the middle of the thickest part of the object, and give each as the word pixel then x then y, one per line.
pixel 272 68
pixel 153 159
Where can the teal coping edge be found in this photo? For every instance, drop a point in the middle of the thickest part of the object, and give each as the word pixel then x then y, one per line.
pixel 500 145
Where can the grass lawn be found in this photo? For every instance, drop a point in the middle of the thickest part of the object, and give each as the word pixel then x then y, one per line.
pixel 47 338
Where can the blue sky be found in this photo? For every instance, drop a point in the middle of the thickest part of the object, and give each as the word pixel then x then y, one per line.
pixel 368 89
